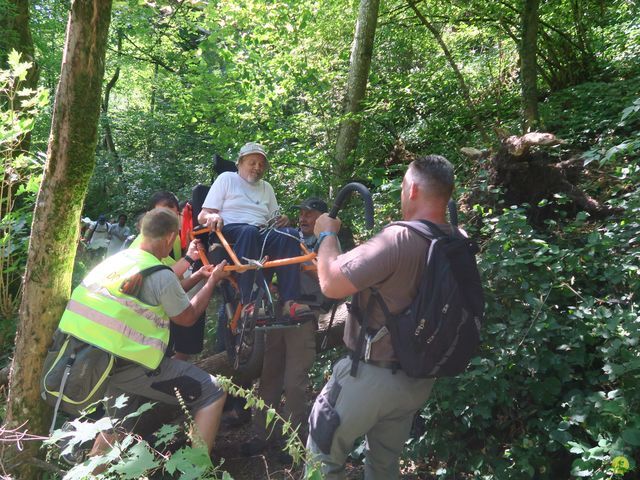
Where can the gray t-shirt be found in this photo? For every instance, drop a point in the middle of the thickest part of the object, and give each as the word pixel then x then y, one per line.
pixel 392 262
pixel 163 288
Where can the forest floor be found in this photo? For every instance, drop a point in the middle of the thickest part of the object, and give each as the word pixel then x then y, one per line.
pixel 269 465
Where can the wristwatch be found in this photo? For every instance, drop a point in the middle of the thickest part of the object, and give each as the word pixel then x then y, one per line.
pixel 189 260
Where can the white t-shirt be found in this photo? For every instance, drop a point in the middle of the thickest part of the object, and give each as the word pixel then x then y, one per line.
pixel 118 236
pixel 240 201
pixel 99 236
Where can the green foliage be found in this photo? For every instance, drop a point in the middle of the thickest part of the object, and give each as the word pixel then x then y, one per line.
pixel 20 178
pixel 554 393
pixel 131 457
pixel 294 445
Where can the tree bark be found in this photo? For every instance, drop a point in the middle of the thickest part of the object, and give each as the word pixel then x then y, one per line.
pixel 55 228
pixel 462 85
pixel 528 65
pixel 360 64
pixel 108 142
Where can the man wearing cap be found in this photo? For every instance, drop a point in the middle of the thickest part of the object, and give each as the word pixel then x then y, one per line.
pixel 241 204
pixel 289 353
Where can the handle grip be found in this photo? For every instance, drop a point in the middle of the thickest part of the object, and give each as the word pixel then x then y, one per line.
pixel 453 212
pixel 343 195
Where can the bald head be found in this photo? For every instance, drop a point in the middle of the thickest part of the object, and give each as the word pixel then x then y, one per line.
pixel 159 223
pixel 434 175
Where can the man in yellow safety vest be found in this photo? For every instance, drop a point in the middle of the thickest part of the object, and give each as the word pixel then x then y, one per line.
pixel 125 305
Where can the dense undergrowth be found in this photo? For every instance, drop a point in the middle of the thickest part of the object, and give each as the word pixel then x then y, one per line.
pixel 555 389
pixel 554 392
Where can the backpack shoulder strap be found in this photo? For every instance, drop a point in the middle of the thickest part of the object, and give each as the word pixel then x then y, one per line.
pixel 424 228
pixel 156 268
pixel 131 285
pixel 91 232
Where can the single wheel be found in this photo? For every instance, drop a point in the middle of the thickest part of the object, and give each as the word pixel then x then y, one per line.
pixel 245 349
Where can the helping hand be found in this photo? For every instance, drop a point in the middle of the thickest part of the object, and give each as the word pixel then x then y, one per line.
pixel 205 271
pixel 282 221
pixel 325 223
pixel 192 249
pixel 218 272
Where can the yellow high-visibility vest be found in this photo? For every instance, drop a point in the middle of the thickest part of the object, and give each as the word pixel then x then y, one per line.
pixel 98 313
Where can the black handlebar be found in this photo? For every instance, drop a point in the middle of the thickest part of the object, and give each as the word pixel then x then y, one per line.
pixel 453 212
pixel 343 195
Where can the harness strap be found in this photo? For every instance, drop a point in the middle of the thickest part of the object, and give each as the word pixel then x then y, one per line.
pixel 63 382
pixel 355 310
pixel 325 338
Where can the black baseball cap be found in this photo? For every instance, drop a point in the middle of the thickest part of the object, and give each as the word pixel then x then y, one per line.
pixel 314 203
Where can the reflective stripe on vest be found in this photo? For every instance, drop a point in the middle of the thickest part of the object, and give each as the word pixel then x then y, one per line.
pixel 99 314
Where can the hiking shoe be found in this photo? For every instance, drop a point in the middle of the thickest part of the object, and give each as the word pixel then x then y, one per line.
pixel 253 447
pixel 296 311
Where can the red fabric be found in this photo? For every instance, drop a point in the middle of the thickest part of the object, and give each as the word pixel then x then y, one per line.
pixel 187 226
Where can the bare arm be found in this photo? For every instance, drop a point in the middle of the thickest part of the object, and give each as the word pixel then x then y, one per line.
pixel 333 283
pixel 210 217
pixel 199 302
pixel 182 265
pixel 190 282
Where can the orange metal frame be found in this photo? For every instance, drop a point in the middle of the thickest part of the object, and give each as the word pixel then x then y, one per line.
pixel 240 267
pixel 243 267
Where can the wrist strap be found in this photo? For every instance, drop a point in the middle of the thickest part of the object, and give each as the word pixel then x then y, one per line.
pixel 189 260
pixel 322 236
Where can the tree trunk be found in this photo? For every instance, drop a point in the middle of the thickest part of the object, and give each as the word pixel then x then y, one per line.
pixel 462 85
pixel 55 228
pixel 356 87
pixel 528 65
pixel 108 142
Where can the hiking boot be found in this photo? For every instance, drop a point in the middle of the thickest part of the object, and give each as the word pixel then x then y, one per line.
pixel 253 447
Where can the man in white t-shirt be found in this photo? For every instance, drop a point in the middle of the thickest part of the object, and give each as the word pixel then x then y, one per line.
pixel 240 204
pixel 118 233
pixel 97 238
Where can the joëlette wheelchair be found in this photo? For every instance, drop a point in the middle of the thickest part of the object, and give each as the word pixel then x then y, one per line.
pixel 244 329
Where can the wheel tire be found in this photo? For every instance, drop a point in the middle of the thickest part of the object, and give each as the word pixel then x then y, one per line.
pixel 251 355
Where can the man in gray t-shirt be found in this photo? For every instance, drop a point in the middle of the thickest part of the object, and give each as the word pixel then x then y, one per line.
pixel 380 401
pixel 199 390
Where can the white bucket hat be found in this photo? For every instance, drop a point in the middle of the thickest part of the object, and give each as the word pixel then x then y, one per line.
pixel 252 147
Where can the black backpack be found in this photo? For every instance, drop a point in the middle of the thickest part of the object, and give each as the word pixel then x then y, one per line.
pixel 439 332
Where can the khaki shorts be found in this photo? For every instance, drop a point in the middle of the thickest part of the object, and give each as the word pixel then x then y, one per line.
pixel 197 388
